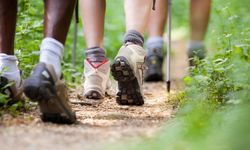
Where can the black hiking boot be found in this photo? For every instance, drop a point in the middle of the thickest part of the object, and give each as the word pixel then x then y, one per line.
pixel 14 93
pixel 51 94
pixel 154 67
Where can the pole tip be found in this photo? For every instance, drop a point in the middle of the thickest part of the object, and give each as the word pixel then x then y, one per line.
pixel 168 86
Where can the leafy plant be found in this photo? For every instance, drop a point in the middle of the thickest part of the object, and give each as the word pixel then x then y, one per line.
pixel 215 114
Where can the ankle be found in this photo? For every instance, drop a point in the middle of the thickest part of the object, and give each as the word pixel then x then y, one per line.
pixel 9 68
pixel 133 36
pixel 196 48
pixel 8 63
pixel 195 45
pixel 154 45
pixel 51 52
pixel 95 55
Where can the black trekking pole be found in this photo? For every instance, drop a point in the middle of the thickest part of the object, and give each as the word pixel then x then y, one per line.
pixel 76 21
pixel 168 81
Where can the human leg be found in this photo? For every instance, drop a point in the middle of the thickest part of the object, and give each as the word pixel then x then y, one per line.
pixel 96 65
pixel 199 18
pixel 45 84
pixel 128 66
pixel 8 61
pixel 93 13
pixel 8 14
pixel 199 13
pixel 157 19
pixel 137 14
pixel 154 43
pixel 57 19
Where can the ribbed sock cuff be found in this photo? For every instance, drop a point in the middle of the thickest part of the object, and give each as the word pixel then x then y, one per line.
pixel 154 46
pixel 51 52
pixel 134 37
pixel 155 42
pixel 52 45
pixel 95 54
pixel 9 68
pixel 194 45
pixel 7 57
pixel 196 48
pixel 9 62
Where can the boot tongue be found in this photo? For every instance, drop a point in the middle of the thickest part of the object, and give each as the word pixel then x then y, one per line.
pixel 97 64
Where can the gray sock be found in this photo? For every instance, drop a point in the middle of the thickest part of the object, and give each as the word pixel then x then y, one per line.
pixel 154 46
pixel 95 55
pixel 133 36
pixel 196 48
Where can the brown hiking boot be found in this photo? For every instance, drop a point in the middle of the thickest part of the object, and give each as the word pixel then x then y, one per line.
pixel 51 93
pixel 128 70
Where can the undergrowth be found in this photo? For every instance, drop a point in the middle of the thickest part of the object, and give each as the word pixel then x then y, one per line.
pixel 215 112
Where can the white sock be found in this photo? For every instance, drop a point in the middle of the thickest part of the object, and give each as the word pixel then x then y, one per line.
pixel 51 52
pixel 9 68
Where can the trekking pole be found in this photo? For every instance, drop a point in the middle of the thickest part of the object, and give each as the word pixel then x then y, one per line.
pixel 169 44
pixel 76 20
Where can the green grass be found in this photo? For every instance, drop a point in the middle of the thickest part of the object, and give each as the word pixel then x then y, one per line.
pixel 216 108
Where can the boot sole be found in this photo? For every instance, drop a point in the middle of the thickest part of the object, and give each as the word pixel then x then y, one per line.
pixel 95 95
pixel 129 89
pixel 44 93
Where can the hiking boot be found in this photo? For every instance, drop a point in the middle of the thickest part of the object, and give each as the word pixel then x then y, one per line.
pixel 97 82
pixel 51 93
pixel 128 69
pixel 14 92
pixel 154 63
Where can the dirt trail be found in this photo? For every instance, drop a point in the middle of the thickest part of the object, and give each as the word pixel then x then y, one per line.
pixel 106 122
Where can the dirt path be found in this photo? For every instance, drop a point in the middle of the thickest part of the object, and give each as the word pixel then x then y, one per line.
pixel 106 122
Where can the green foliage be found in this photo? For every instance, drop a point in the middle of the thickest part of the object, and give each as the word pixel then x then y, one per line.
pixel 3 99
pixel 28 34
pixel 215 114
pixel 14 109
pixel 176 99
pixel 210 79
pixel 28 37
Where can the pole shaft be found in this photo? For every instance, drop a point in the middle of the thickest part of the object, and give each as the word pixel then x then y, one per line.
pixel 74 45
pixel 169 43
pixel 75 39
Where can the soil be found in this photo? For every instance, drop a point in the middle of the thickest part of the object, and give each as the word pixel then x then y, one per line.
pixel 98 124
